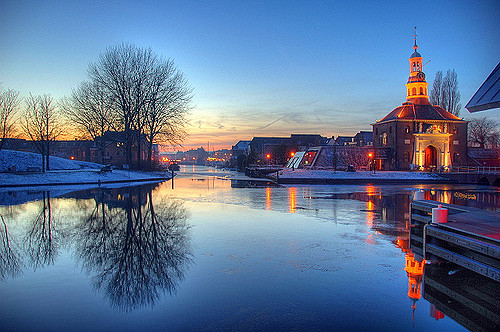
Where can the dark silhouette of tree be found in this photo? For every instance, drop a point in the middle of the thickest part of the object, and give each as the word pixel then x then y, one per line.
pixel 483 133
pixel 435 95
pixel 9 103
pixel 10 261
pixel 147 96
pixel 136 252
pixel 89 111
pixel 42 239
pixel 445 92
pixel 40 122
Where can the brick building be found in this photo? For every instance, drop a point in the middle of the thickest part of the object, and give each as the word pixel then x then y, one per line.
pixel 418 135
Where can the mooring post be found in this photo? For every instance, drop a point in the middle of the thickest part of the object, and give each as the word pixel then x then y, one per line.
pixel 439 215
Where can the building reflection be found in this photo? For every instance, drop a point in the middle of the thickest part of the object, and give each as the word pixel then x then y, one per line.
pixel 134 249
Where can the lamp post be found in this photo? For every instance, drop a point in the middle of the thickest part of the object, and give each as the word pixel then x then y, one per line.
pixel 372 161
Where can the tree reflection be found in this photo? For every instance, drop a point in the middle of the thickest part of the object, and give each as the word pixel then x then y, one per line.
pixel 137 252
pixel 10 262
pixel 41 241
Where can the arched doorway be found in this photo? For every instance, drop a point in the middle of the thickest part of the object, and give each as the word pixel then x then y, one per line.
pixel 430 157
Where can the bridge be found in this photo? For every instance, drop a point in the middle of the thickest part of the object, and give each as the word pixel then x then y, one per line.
pixel 482 175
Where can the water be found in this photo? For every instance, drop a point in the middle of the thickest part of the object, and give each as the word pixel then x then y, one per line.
pixel 215 254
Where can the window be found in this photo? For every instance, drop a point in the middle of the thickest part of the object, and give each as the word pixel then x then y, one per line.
pixel 407 129
pixel 384 139
pixel 407 141
pixel 455 130
pixel 421 91
pixel 390 130
pixel 407 157
pixel 414 91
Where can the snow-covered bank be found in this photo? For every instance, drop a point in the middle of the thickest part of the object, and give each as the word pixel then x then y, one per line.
pixel 19 161
pixel 14 164
pixel 78 177
pixel 326 176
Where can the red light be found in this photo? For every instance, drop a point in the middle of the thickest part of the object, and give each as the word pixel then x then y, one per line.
pixel 72 158
pixel 268 156
pixel 292 154
pixel 370 155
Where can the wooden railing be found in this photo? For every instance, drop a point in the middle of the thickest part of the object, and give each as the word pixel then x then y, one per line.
pixel 476 169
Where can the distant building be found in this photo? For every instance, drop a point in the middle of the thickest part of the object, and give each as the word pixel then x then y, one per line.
pixel 418 135
pixel 277 150
pixel 110 149
pixel 345 140
pixel 364 138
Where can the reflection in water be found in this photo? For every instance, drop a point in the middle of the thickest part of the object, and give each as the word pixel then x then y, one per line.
pixel 268 198
pixel 292 198
pixel 137 251
pixel 42 239
pixel 10 262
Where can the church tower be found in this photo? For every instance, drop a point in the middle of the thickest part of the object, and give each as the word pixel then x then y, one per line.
pixel 418 135
pixel 416 86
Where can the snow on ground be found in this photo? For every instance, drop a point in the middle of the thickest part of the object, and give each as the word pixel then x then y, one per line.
pixel 63 171
pixel 359 175
pixel 20 161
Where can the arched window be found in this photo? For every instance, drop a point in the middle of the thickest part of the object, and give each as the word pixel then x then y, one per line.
pixel 421 91
pixel 455 130
pixel 390 130
pixel 414 91
pixel 407 129
pixel 384 139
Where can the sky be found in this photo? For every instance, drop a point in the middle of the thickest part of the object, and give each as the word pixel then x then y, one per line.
pixel 259 68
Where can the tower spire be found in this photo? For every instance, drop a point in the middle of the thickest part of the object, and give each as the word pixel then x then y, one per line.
pixel 415 38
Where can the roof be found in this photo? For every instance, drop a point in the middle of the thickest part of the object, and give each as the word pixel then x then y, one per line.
pixel 488 94
pixel 421 109
pixel 415 55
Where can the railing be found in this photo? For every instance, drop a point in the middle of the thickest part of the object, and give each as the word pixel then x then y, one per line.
pixel 476 169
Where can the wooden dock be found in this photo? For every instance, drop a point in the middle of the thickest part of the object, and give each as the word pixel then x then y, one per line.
pixel 470 238
pixel 467 297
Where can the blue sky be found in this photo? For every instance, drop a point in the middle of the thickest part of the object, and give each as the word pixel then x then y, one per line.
pixel 263 68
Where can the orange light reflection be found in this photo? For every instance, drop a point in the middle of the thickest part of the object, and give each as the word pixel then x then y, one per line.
pixel 268 198
pixel 292 192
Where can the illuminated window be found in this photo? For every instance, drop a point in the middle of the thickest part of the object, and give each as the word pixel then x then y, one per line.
pixel 455 130
pixel 407 129
pixel 384 139
pixel 414 91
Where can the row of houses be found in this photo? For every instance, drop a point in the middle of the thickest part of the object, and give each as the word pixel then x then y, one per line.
pixel 108 149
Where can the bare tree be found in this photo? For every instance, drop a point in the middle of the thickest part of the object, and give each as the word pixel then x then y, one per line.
pixel 435 95
pixel 90 110
pixel 147 97
pixel 445 92
pixel 165 113
pixel 9 102
pixel 41 125
pixel 484 133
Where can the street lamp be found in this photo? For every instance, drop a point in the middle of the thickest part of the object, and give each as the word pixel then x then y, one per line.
pixel 372 161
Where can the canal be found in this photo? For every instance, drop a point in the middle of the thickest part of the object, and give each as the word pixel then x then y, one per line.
pixel 211 253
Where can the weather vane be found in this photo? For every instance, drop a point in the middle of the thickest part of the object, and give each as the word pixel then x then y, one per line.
pixel 415 35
